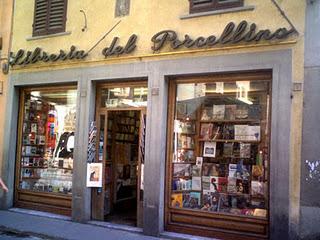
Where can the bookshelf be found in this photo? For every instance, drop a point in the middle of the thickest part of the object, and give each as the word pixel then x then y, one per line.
pixel 224 172
pixel 121 158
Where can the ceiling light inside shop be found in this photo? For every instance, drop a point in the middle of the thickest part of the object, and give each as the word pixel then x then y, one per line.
pixel 220 87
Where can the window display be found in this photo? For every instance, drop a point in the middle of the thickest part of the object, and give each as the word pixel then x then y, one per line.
pixel 220 152
pixel 48 140
pixel 124 97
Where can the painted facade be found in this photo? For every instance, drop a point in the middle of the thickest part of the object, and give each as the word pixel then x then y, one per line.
pixel 145 19
pixel 5 35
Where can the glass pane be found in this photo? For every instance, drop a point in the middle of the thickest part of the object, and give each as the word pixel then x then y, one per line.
pixel 124 97
pixel 221 147
pixel 48 141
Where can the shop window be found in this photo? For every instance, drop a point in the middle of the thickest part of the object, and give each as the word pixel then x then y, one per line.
pixel 49 17
pixel 209 5
pixel 219 149
pixel 124 97
pixel 48 132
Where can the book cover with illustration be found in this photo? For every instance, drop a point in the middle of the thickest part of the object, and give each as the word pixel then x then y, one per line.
pixel 257 172
pixel 185 141
pixel 185 156
pixel 257 189
pixel 191 200
pixel 222 184
pixel 224 205
pixel 214 184
pixel 241 132
pixel 206 114
pixel 228 132
pixel 227 149
pixel 242 112
pixel 218 111
pixel 181 170
pixel 254 133
pixel 254 111
pixel 232 170
pixel 196 171
pixel 210 169
pixel 230 112
pixel 232 185
pixel 245 150
pixel 205 183
pixel 242 186
pixel 223 170
pixel 176 200
pixel 196 183
pixel 206 131
pixel 184 127
pixel 210 201
pixel 181 185
pixel 195 199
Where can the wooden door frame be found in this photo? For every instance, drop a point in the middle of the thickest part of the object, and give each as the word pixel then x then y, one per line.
pixel 98 213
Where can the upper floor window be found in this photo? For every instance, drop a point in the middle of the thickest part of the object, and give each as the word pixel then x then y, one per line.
pixel 49 17
pixel 209 5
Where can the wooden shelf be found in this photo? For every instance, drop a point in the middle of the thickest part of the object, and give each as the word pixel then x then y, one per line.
pixel 30 178
pixel 35 145
pixel 183 148
pixel 187 133
pixel 33 167
pixel 35 155
pixel 231 121
pixel 181 191
pixel 183 177
pixel 194 162
pixel 229 140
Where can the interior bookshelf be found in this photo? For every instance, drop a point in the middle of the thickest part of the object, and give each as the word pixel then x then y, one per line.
pixel 219 162
pixel 120 163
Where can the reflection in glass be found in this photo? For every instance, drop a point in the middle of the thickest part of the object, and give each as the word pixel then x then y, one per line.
pixel 124 97
pixel 48 141
pixel 221 147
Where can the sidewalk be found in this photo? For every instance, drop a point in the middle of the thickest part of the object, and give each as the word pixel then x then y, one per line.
pixel 63 228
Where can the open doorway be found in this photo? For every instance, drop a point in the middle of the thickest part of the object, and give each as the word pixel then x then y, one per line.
pixel 120 119
pixel 123 131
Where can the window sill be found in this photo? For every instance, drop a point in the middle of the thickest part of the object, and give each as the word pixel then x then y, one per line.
pixel 48 36
pixel 217 12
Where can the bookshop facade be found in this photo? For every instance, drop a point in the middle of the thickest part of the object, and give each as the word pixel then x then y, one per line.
pixel 194 145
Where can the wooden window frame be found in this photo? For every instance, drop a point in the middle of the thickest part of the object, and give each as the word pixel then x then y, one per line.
pixel 211 5
pixel 58 203
pixel 206 223
pixel 47 30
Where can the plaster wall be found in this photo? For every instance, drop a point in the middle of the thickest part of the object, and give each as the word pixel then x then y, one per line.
pixel 310 160
pixel 5 33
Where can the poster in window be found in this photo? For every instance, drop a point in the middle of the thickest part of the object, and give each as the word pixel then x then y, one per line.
pixel 94 175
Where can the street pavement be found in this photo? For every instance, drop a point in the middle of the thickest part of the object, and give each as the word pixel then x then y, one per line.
pixel 12 235
pixel 59 229
pixel 19 224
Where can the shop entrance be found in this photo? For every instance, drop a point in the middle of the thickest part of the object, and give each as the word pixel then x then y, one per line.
pixel 120 120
